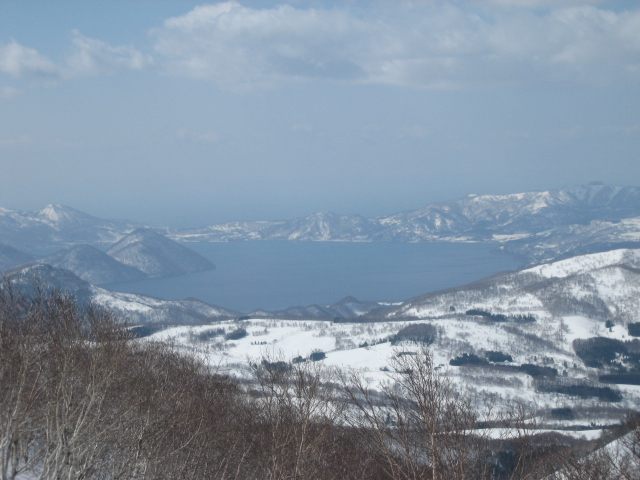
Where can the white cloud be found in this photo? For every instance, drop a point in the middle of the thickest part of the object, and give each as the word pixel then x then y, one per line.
pixel 235 45
pixel 419 43
pixel 91 57
pixel 433 44
pixel 87 56
pixel 17 60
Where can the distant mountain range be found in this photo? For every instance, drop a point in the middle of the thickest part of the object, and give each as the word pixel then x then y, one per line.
pixel 67 238
pixel 537 225
pixel 56 227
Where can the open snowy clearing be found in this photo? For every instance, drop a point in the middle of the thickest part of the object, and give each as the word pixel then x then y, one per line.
pixel 366 349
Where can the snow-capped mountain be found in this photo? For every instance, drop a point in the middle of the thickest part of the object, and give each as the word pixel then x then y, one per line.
pixel 482 216
pixel 11 257
pixel 74 240
pixel 132 308
pixel 581 216
pixel 93 265
pixel 61 216
pixel 156 255
pixel 32 278
pixel 602 286
pixel 58 226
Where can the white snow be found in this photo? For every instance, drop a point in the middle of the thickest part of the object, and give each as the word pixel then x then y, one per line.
pixel 284 340
pixel 510 237
pixel 585 263
pixel 510 433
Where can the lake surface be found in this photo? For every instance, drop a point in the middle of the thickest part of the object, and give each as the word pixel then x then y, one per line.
pixel 279 274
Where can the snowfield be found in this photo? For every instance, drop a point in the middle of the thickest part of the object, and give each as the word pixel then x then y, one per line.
pixel 343 345
pixel 586 263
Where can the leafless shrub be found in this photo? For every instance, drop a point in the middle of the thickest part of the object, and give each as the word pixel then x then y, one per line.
pixel 418 425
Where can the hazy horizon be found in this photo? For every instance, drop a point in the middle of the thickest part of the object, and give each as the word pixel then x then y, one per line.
pixel 186 113
pixel 159 224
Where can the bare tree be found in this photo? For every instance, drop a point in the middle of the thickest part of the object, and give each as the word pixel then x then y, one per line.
pixel 296 408
pixel 419 423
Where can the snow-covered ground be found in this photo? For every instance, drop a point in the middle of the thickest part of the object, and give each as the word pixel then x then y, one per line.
pixel 365 348
pixel 603 285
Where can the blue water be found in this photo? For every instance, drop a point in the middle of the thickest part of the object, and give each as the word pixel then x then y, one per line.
pixel 280 274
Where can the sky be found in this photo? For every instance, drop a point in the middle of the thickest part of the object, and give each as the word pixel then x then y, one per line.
pixel 185 113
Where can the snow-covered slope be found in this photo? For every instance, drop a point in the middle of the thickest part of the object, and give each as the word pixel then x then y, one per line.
pixel 586 263
pixel 93 265
pixel 29 279
pixel 368 348
pixel 57 226
pixel 602 285
pixel 156 255
pixel 61 217
pixel 141 309
pixel 132 308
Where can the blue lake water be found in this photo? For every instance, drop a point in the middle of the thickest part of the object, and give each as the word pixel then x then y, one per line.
pixel 279 274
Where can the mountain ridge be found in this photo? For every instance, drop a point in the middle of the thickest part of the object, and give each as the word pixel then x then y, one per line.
pixel 55 227
pixel 93 265
pixel 539 225
pixel 586 214
pixel 155 255
pixel 129 307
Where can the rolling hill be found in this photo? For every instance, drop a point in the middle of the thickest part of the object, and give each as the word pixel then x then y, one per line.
pixel 156 255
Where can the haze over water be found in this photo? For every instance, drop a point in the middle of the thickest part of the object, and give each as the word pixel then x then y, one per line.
pixel 278 274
